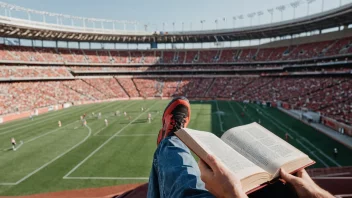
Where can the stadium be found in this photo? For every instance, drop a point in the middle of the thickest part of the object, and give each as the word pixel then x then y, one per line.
pixel 293 77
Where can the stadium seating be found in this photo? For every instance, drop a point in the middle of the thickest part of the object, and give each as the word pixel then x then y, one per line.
pixel 330 96
pixel 293 52
pixel 33 72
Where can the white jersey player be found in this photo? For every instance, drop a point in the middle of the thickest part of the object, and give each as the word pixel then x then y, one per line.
pixel 106 122
pixel 125 113
pixel 99 115
pixel 149 118
pixel 142 109
pixel 13 142
pixel 59 122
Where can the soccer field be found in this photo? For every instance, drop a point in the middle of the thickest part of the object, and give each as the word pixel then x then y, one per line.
pixel 72 157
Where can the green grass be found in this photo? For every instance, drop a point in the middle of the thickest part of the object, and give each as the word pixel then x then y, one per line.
pixel 121 153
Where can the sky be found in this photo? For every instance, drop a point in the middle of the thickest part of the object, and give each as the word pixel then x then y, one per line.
pixel 156 12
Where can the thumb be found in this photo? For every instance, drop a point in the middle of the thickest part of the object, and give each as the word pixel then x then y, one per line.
pixel 288 177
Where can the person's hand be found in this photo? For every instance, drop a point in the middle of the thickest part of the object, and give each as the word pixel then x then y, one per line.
pixel 219 180
pixel 304 185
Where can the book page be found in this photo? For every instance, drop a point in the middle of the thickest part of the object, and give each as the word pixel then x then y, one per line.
pixel 261 147
pixel 211 144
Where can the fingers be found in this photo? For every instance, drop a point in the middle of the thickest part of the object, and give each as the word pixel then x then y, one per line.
pixel 305 176
pixel 288 177
pixel 206 173
pixel 214 163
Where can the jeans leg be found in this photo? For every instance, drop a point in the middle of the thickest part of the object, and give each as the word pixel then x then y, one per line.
pixel 175 172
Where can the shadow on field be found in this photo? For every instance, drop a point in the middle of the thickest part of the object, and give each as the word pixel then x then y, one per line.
pixel 214 119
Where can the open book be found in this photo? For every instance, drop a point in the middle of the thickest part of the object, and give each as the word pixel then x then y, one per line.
pixel 251 152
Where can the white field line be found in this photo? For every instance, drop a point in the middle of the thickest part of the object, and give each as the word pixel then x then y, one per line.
pixel 304 139
pixel 312 153
pixel 37 137
pixel 321 152
pixel 31 123
pixel 220 121
pixel 51 161
pixel 95 134
pixel 44 119
pixel 109 178
pixel 279 122
pixel 234 112
pixel 48 117
pixel 19 146
pixel 52 131
pixel 272 119
pixel 10 148
pixel 250 116
pixel 103 144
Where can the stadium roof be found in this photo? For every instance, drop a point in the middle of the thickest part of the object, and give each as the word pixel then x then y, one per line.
pixel 19 28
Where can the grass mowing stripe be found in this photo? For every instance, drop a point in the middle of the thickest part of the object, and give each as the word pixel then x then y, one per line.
pixel 52 131
pixel 51 161
pixel 321 152
pixel 218 113
pixel 113 121
pixel 44 120
pixel 274 121
pixel 93 108
pixel 107 141
pixel 304 139
pixel 312 153
pixel 48 117
pixel 234 112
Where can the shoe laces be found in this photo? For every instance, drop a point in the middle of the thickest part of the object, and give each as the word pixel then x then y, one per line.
pixel 177 122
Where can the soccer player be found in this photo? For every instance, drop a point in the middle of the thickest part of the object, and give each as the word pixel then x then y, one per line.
pixel 13 142
pixel 106 122
pixel 125 113
pixel 336 152
pixel 59 123
pixel 99 115
pixel 142 109
pixel 242 114
pixel 149 118
pixel 81 118
pixel 286 137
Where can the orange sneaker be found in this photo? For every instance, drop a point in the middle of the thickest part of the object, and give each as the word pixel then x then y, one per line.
pixel 177 115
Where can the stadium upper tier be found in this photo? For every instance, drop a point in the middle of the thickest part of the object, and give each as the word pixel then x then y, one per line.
pixel 13 27
pixel 57 56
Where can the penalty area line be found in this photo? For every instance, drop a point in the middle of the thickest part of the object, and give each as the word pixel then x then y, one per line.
pixel 104 143
pixel 51 161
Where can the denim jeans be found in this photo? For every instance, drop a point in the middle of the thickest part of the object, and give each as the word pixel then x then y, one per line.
pixel 175 172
